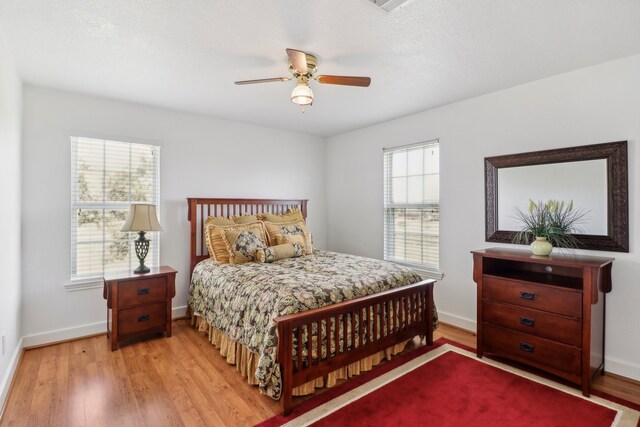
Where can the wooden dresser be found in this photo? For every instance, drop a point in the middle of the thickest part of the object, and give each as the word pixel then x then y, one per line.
pixel 547 312
pixel 139 304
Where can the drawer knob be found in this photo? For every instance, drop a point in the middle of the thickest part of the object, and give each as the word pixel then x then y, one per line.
pixel 526 347
pixel 143 318
pixel 527 295
pixel 143 291
pixel 526 321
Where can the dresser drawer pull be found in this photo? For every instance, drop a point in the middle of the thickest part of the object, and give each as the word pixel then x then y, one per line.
pixel 527 295
pixel 143 291
pixel 526 347
pixel 145 317
pixel 526 321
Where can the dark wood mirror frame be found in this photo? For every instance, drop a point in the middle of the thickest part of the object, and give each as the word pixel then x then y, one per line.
pixel 615 154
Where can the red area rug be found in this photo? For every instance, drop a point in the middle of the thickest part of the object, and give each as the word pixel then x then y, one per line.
pixel 444 385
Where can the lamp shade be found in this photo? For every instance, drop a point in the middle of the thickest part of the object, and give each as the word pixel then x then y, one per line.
pixel 142 217
pixel 302 95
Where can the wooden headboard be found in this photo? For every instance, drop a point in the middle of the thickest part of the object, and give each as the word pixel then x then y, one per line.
pixel 201 208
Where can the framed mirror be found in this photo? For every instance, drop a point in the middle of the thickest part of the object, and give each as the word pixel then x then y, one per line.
pixel 593 176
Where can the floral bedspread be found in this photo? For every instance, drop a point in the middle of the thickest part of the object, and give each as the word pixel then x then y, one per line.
pixel 242 300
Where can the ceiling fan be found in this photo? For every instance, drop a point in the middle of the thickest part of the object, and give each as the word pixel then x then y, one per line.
pixel 303 66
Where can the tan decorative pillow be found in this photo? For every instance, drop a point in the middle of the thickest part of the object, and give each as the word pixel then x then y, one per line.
pixel 243 241
pixel 223 220
pixel 293 214
pixel 287 230
pixel 215 243
pixel 291 227
pixel 214 220
pixel 274 253
pixel 296 239
pixel 244 219
pixel 218 220
pixel 302 239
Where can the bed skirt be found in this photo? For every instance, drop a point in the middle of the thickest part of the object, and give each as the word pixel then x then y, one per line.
pixel 246 361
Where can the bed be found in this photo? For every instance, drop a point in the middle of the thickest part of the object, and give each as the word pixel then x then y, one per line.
pixel 346 311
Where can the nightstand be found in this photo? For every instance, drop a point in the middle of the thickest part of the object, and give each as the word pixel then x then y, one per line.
pixel 139 304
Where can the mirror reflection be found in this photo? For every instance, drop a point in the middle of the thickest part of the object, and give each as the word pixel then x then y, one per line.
pixel 583 182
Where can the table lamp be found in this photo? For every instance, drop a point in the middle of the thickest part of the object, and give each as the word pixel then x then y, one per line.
pixel 142 218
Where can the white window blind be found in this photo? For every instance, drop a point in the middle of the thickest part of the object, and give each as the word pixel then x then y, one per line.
pixel 412 205
pixel 106 177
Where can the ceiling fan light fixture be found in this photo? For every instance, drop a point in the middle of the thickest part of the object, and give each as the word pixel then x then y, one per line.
pixel 302 95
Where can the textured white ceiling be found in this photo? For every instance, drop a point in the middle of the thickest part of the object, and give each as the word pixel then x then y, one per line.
pixel 186 54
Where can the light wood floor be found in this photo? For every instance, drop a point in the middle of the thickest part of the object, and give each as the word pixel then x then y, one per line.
pixel 181 380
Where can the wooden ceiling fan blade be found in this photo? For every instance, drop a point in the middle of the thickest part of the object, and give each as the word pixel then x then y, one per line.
pixel 298 60
pixel 345 80
pixel 275 79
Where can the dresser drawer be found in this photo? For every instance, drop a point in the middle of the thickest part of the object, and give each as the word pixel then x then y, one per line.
pixel 142 291
pixel 534 322
pixel 541 297
pixel 507 342
pixel 138 319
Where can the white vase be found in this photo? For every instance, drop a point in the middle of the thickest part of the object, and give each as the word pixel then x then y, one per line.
pixel 541 246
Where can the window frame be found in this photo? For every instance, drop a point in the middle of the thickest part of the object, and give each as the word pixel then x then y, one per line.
pixel 96 281
pixel 425 270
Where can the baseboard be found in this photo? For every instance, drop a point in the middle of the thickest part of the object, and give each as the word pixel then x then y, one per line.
pixel 66 334
pixel 622 368
pixel 7 380
pixel 457 321
pixel 179 312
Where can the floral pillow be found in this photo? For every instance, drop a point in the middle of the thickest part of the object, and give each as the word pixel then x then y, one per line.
pixel 294 228
pixel 213 227
pixel 274 253
pixel 242 242
pixel 216 244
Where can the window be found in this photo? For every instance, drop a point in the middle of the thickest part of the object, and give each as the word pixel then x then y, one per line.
pixel 106 177
pixel 412 205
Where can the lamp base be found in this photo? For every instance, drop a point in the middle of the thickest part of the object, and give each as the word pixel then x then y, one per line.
pixel 142 269
pixel 142 248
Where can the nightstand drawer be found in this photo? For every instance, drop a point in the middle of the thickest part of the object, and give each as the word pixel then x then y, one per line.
pixel 534 322
pixel 506 342
pixel 541 297
pixel 137 319
pixel 142 291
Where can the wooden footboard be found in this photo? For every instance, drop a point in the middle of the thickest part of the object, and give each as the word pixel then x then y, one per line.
pixel 350 331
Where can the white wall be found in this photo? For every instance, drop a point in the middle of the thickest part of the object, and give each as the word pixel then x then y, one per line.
pixel 10 151
pixel 200 157
pixel 588 106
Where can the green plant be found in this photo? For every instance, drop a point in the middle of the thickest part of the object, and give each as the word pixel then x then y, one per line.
pixel 556 220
